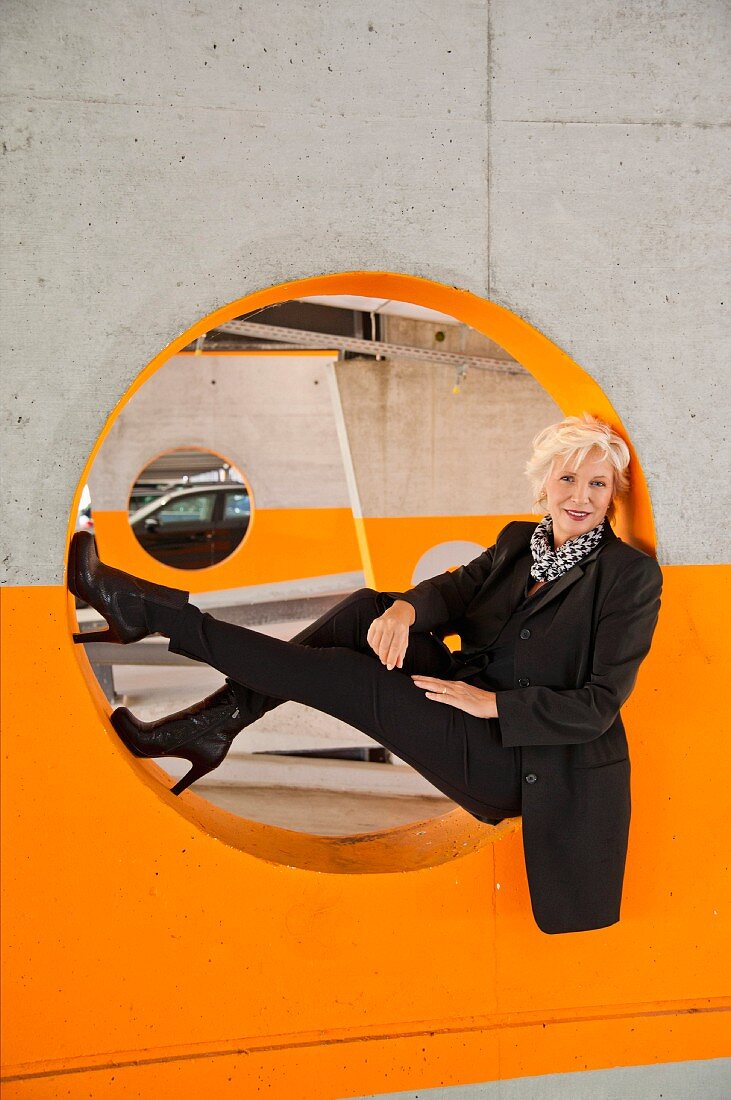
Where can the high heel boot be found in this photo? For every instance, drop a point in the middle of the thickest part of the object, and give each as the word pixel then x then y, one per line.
pixel 201 734
pixel 132 607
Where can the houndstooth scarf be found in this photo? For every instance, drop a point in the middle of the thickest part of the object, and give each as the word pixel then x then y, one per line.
pixel 548 564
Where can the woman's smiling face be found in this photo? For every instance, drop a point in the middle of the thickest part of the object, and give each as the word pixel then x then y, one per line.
pixel 578 496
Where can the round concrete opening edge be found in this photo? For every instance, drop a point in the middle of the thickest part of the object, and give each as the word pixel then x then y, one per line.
pixel 437 840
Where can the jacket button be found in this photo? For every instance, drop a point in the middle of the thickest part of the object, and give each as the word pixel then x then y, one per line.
pixel 531 777
pixel 525 633
pixel 524 683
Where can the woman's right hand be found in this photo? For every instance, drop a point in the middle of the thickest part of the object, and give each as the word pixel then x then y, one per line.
pixel 388 635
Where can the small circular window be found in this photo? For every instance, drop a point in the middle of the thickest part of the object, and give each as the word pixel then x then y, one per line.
pixel 189 509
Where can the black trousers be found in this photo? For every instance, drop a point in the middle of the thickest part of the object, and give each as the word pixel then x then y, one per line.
pixel 331 667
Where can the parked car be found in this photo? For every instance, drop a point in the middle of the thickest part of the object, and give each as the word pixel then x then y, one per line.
pixel 195 527
pixel 140 496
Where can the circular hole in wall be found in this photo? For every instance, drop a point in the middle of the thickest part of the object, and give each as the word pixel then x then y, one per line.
pixel 189 509
pixel 337 415
pixel 346 417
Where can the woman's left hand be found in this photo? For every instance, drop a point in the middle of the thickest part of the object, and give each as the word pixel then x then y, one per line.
pixel 455 693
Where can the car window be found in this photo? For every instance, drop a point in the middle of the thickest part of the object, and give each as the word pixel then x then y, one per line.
pixel 237 504
pixel 188 509
pixel 138 500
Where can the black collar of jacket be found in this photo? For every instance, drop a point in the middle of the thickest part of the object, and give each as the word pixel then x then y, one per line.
pixel 518 535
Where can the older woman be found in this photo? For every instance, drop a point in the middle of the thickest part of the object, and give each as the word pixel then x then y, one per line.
pixel 554 621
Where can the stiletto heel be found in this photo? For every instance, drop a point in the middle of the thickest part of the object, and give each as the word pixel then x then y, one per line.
pixel 196 772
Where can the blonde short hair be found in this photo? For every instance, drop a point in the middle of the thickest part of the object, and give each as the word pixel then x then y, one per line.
pixel 573 439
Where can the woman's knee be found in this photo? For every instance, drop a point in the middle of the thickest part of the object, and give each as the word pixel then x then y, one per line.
pixel 347 622
pixel 368 595
pixel 356 614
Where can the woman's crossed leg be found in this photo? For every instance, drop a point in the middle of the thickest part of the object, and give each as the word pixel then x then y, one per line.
pixel 459 754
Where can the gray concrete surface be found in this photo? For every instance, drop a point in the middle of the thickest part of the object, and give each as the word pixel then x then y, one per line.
pixel 420 450
pixel 322 812
pixel 609 225
pixel 566 160
pixel 702 1080
pixel 161 162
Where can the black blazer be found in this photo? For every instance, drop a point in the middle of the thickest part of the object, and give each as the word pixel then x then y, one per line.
pixel 588 636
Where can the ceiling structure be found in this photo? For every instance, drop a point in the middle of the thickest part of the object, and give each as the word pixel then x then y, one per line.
pixel 387 306
pixel 348 324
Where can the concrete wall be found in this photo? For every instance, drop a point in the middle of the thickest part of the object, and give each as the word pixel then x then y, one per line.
pixel 270 416
pixel 417 448
pixel 420 450
pixel 162 161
